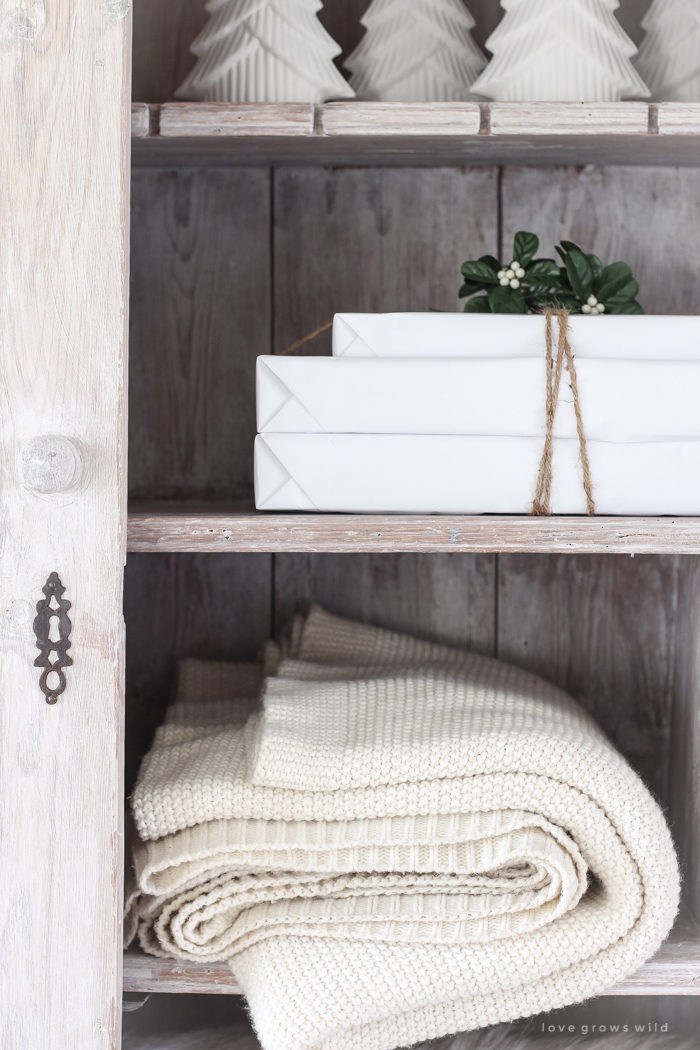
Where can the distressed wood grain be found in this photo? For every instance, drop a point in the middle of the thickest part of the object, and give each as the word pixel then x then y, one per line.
pixel 163 32
pixel 212 119
pixel 375 240
pixel 64 166
pixel 684 801
pixel 163 528
pixel 200 315
pixel 568 118
pixel 186 605
pixel 444 597
pixel 678 118
pixel 400 118
pixel 604 629
pixel 401 134
pixel 647 217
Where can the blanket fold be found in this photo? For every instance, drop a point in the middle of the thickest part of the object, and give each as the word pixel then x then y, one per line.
pixel 391 840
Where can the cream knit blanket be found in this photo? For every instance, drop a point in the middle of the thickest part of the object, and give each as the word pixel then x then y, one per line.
pixel 404 840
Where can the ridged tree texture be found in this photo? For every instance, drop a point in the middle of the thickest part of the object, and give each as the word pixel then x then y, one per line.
pixel 416 51
pixel 560 51
pixel 264 51
pixel 669 57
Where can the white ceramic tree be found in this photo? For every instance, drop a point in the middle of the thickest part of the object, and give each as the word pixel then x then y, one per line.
pixel 669 57
pixel 264 51
pixel 560 51
pixel 416 51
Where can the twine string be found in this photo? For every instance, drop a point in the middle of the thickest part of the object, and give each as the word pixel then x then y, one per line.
pixel 542 501
pixel 554 364
pixel 306 339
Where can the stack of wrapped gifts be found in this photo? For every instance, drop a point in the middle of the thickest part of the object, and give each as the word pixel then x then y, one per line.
pixel 446 413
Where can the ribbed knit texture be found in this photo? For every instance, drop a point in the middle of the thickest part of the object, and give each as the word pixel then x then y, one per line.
pixel 405 840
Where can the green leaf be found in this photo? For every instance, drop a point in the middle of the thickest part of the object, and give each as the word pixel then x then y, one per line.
pixel 552 286
pixel 470 288
pixel 479 305
pixel 507 301
pixel 524 247
pixel 614 277
pixel 560 252
pixel 615 270
pixel 479 272
pixel 628 292
pixel 541 271
pixel 625 308
pixel 579 272
pixel 569 246
pixel 596 266
pixel 492 261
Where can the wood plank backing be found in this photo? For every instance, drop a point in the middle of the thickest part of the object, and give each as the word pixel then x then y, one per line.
pixel 604 629
pixel 64 168
pixel 685 736
pixel 186 605
pixel 647 217
pixel 200 315
pixel 374 239
pixel 630 14
pixel 163 32
pixel 444 597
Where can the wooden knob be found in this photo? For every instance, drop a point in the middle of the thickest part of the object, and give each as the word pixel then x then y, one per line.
pixel 50 464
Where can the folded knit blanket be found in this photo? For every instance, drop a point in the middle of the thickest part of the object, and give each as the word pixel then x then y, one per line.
pixel 402 840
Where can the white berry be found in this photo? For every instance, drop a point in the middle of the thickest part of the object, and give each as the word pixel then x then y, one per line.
pixel 515 283
pixel 520 272
pixel 586 309
pixel 592 301
pixel 515 265
pixel 510 274
pixel 501 274
pixel 504 282
pixel 601 308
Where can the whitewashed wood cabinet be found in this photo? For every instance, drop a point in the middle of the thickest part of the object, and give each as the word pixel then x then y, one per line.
pixel 250 226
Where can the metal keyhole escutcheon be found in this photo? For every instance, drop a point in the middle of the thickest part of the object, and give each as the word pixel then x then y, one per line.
pixel 45 612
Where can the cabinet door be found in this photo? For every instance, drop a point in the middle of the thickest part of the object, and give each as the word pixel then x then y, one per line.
pixel 64 177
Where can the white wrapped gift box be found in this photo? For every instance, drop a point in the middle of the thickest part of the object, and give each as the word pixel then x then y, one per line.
pixel 507 335
pixel 620 400
pixel 445 413
pixel 405 473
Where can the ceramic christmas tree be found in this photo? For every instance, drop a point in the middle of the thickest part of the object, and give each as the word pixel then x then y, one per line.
pixel 264 51
pixel 560 51
pixel 669 58
pixel 416 51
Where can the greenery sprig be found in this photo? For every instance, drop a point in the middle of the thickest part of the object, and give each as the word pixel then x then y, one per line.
pixel 528 285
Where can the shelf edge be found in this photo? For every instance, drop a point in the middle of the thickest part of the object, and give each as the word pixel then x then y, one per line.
pixel 339 533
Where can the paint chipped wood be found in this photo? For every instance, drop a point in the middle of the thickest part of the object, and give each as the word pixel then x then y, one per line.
pixel 64 181
pixel 255 531
pixel 568 118
pixel 400 118
pixel 258 119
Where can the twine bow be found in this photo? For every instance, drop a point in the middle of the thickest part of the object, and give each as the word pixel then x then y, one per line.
pixel 541 502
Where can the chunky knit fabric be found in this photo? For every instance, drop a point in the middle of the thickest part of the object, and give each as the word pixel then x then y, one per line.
pixel 402 841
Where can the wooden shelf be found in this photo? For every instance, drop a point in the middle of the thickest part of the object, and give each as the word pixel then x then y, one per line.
pixel 674 970
pixel 416 133
pixel 202 530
